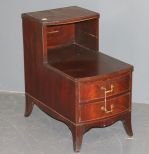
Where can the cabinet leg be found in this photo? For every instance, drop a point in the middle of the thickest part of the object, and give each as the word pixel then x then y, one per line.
pixel 127 124
pixel 29 106
pixel 77 134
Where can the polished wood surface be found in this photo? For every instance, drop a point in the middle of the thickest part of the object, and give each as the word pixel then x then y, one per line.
pixel 80 62
pixel 63 34
pixel 62 15
pixel 68 78
pixel 92 90
pixel 93 111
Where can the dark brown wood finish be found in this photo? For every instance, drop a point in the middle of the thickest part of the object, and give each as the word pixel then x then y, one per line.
pixel 64 15
pixel 68 78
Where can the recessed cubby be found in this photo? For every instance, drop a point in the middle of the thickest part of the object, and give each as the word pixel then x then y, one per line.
pixel 84 33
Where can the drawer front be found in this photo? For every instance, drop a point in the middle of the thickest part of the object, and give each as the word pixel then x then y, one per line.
pixel 60 35
pixel 96 89
pixel 94 111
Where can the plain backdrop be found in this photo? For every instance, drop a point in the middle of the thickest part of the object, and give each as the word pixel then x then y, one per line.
pixel 124 34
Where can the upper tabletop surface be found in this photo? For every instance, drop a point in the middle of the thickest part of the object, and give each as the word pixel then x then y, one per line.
pixel 62 15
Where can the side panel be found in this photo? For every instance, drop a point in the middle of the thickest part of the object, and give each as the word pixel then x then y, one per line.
pixel 44 83
pixel 30 57
pixel 87 33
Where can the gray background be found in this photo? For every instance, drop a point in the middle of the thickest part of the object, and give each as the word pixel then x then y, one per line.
pixel 124 34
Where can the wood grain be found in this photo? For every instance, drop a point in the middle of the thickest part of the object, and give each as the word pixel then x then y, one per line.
pixel 64 71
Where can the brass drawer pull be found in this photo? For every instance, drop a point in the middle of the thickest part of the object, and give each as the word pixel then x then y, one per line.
pixel 104 108
pixel 52 32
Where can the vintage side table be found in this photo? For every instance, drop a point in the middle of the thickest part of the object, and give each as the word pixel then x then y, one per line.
pixel 68 78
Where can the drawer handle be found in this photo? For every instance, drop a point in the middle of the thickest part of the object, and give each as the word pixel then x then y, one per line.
pixel 107 111
pixel 52 32
pixel 104 108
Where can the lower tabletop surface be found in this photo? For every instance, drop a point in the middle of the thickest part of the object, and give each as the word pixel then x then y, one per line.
pixel 80 62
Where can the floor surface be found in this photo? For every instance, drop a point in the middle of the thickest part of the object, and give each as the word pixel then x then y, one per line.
pixel 41 134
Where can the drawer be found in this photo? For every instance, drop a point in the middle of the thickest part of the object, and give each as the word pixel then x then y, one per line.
pixel 93 90
pixel 94 111
pixel 60 35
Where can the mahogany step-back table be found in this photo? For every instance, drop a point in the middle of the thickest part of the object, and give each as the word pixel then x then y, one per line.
pixel 68 78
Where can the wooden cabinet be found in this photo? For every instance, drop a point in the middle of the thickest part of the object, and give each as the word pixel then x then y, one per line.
pixel 68 78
